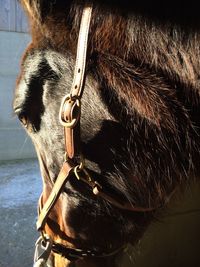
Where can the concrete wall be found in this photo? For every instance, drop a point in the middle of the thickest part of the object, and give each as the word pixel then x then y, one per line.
pixel 14 143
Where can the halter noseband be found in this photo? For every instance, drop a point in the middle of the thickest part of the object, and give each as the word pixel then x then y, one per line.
pixel 70 112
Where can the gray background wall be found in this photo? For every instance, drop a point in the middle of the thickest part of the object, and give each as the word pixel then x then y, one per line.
pixel 12 16
pixel 14 143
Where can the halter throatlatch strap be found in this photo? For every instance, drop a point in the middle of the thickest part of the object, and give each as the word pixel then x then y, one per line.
pixel 70 118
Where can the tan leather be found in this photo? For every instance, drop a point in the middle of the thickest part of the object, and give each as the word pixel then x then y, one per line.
pixel 79 74
pixel 72 141
pixel 100 191
pixel 67 110
pixel 71 105
pixel 123 205
pixel 61 180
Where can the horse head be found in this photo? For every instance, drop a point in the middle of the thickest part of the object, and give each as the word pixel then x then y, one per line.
pixel 139 119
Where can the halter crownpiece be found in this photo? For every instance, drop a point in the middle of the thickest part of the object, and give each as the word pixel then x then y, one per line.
pixel 70 109
pixel 70 118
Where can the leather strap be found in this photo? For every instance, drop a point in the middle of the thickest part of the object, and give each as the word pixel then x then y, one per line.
pixel 70 119
pixel 79 73
pixel 74 254
pixel 71 105
pixel 123 205
pixel 99 190
pixel 61 180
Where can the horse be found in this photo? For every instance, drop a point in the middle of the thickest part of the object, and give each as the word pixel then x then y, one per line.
pixel 138 131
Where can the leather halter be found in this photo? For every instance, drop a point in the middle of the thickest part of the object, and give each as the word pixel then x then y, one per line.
pixel 70 112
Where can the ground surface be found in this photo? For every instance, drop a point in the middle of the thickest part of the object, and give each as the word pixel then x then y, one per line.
pixel 20 187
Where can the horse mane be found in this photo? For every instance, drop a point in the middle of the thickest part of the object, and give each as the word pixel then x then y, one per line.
pixel 149 65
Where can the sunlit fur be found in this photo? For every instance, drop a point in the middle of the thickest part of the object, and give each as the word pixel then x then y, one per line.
pixel 140 118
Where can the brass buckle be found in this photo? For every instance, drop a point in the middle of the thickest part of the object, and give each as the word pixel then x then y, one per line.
pixel 70 110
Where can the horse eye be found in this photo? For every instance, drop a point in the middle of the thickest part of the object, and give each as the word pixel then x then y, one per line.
pixel 23 119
